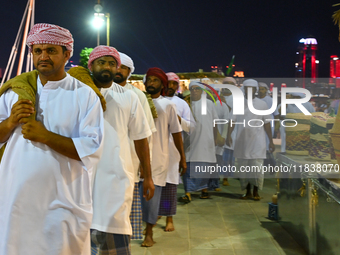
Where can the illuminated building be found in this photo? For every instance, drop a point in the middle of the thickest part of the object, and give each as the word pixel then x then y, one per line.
pixel 307 65
pixel 334 68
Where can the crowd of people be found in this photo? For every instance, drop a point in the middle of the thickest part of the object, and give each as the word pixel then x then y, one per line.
pixel 88 156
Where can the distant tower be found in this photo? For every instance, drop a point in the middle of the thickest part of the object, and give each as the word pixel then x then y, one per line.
pixel 334 69
pixel 307 65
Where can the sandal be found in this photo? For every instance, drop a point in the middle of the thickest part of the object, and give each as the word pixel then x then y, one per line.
pixel 257 198
pixel 245 197
pixel 204 195
pixel 184 199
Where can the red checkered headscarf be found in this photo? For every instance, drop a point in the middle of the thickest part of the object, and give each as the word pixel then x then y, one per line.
pixel 173 77
pixel 43 33
pixel 101 51
pixel 155 71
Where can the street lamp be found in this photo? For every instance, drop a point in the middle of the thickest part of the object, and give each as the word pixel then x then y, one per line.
pixel 98 22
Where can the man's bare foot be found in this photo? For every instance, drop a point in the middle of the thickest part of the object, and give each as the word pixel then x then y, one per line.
pixel 148 240
pixel 169 224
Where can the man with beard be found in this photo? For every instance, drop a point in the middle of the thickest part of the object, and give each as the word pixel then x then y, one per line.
pixel 54 128
pixel 123 73
pixel 200 148
pixel 167 124
pixel 250 142
pixel 168 201
pixel 112 197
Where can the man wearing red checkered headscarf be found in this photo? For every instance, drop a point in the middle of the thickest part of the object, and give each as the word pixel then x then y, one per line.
pixel 54 141
pixel 168 203
pixel 167 124
pixel 115 177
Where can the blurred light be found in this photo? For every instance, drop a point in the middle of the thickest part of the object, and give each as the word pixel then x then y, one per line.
pixel 233 65
pixel 317 61
pixel 335 58
pixel 98 20
pixel 302 40
pixel 297 52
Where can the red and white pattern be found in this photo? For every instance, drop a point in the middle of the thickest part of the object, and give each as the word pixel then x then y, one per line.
pixel 172 77
pixel 101 51
pixel 44 33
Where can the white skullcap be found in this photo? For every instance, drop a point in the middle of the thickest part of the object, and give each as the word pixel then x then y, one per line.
pixel 127 61
pixel 229 80
pixel 298 94
pixel 196 83
pixel 262 84
pixel 251 83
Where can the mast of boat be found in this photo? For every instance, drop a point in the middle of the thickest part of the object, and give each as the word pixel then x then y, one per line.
pixel 29 16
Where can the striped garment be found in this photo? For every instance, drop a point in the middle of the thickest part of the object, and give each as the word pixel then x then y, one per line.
pixel 168 204
pixel 109 244
pixel 136 215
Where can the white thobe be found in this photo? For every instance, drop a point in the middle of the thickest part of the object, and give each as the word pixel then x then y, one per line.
pixel 115 177
pixel 144 102
pixel 45 197
pixel 223 113
pixel 167 123
pixel 188 124
pixel 201 145
pixel 229 100
pixel 250 143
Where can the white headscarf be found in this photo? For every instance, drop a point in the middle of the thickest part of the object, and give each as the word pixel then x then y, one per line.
pixel 127 61
pixel 196 83
pixel 229 80
pixel 251 83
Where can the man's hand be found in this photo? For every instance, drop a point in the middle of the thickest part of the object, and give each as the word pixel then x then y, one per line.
pixel 21 109
pixel 34 130
pixel 271 147
pixel 148 189
pixel 183 166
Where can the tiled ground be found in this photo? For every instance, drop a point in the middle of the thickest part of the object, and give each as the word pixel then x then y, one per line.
pixel 223 224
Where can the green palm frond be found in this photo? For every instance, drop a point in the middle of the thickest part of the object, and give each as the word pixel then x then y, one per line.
pixel 336 18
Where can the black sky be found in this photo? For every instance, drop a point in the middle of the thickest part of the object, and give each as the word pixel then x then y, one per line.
pixel 185 35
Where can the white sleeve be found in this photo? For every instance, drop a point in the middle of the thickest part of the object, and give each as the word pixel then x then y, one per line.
pixel 188 122
pixel 7 100
pixel 173 124
pixel 91 132
pixel 138 124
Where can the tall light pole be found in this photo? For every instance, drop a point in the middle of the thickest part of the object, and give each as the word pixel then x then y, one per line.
pixel 99 21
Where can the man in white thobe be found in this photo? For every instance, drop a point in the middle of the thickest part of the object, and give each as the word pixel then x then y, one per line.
pixel 112 196
pixel 166 124
pixel 45 172
pixel 250 142
pixel 123 73
pixel 200 147
pixel 168 203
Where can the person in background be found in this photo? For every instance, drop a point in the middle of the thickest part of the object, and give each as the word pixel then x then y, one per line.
pixel 167 124
pixel 168 203
pixel 122 75
pixel 250 142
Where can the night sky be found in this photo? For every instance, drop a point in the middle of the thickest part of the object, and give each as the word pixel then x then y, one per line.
pixel 184 36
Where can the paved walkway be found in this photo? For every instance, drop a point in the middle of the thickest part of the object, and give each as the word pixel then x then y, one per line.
pixel 223 224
